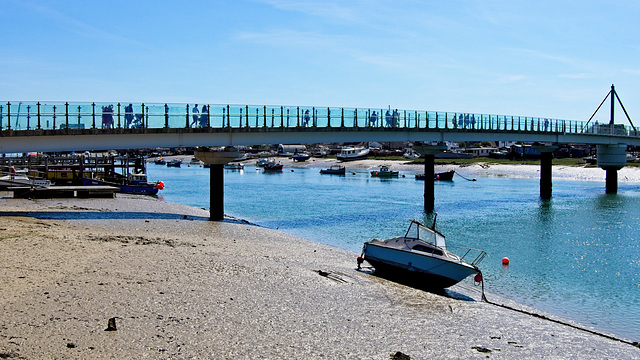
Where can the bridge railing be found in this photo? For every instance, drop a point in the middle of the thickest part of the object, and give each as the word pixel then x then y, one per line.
pixel 59 115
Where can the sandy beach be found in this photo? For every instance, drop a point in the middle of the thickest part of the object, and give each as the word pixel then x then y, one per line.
pixel 182 287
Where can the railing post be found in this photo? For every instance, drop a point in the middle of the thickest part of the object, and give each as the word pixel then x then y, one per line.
pixel 186 125
pixel 298 116
pixel 328 117
pixel 273 111
pixel 8 115
pixel 28 117
pixel 208 115
pixel 118 115
pixel 93 115
pixel 38 115
pixel 228 118
pixel 66 115
pixel 166 116
pixel 79 109
pixel 264 115
pixel 246 115
pixel 145 116
pixel 355 118
pixel 282 116
pixel 342 117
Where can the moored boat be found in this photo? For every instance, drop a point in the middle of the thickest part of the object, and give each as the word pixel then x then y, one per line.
pixel 421 256
pixel 160 161
pixel 234 166
pixel 20 178
pixel 301 157
pixel 334 170
pixel 273 166
pixel 353 153
pixel 443 176
pixel 174 163
pixel 134 184
pixel 384 171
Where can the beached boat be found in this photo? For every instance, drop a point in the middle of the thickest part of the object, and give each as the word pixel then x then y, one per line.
pixel 234 166
pixel 411 154
pixel 421 256
pixel 134 184
pixel 353 153
pixel 263 161
pixel 160 161
pixel 20 178
pixel 385 172
pixel 443 176
pixel 301 157
pixel 334 170
pixel 174 163
pixel 273 166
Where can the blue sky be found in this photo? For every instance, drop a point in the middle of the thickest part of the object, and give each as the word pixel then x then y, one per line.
pixel 532 58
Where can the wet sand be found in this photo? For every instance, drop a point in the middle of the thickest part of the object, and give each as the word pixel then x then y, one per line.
pixel 183 287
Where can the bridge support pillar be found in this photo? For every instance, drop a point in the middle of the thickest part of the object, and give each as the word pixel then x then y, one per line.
pixel 216 160
pixel 546 157
pixel 429 152
pixel 612 158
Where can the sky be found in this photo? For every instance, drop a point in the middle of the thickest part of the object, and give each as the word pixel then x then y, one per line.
pixel 555 59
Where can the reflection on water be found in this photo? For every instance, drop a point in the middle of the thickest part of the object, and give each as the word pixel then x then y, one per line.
pixel 577 251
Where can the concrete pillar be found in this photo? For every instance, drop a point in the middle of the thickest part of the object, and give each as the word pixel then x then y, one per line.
pixel 429 182
pixel 612 158
pixel 429 152
pixel 545 175
pixel 216 192
pixel 216 159
pixel 546 157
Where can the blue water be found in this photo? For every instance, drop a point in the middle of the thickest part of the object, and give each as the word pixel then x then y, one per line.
pixel 576 256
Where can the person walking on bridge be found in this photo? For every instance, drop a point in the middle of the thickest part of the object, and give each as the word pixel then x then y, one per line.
pixel 195 115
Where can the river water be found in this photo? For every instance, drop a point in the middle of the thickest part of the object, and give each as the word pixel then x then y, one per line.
pixel 576 256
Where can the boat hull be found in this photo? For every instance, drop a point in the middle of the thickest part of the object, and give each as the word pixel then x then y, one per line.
pixel 333 171
pixel 149 189
pixel 444 176
pixel 420 269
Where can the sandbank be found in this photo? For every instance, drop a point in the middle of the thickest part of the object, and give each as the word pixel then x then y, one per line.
pixel 183 287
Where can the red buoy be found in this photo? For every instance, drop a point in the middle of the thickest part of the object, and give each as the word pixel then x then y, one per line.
pixel 478 278
pixel 505 261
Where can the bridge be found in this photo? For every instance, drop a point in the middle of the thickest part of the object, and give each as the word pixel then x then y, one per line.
pixel 57 126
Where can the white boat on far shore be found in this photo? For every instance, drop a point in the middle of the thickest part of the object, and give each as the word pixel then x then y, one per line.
pixel 349 153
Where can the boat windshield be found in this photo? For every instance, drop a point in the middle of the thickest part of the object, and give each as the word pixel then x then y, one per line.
pixel 419 231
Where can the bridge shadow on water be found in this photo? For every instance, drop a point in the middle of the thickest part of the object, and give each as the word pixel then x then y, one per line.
pixel 103 215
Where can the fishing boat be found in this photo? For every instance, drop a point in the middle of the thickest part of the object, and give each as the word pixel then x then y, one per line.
pixel 385 172
pixel 353 153
pixel 443 176
pixel 334 170
pixel 263 161
pixel 133 184
pixel 160 161
pixel 421 256
pixel 20 178
pixel 234 166
pixel 273 166
pixel 174 163
pixel 303 156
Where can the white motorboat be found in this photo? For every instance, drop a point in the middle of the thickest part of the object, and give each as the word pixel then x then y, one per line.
pixel 353 153
pixel 20 178
pixel 421 256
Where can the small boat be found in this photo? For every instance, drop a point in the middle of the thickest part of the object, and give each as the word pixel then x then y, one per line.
pixel 234 166
pixel 334 170
pixel 272 166
pixel 174 163
pixel 443 176
pixel 134 184
pixel 411 154
pixel 160 161
pixel 385 172
pixel 421 257
pixel 195 161
pixel 263 161
pixel 301 156
pixel 353 153
pixel 20 178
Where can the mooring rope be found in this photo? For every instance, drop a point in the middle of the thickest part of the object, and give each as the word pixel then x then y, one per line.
pixel 465 177
pixel 632 343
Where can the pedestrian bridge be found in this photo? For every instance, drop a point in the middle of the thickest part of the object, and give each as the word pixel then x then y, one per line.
pixel 63 126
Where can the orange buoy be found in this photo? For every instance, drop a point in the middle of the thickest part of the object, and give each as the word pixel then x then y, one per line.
pixel 505 261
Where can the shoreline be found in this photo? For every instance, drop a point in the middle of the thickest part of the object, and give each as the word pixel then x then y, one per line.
pixel 183 287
